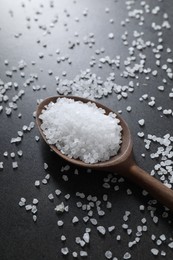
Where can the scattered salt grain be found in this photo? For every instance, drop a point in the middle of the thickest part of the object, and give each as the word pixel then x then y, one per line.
pixel 37 138
pixel 12 155
pixel 51 197
pixel 28 207
pixel 111 36
pixel 140 134
pixel 20 153
pixel 60 223
pixel 141 122
pixel 35 201
pixel 81 120
pixel 74 254
pixel 34 218
pixel 75 220
pixel 111 228
pixel 108 254
pixel 14 165
pixel 65 250
pixel 1 165
pixel 154 251
pixel 93 221
pixel 101 230
pixel 60 208
pixel 127 255
pixel 170 245
pixel 57 192
pixel 129 108
pixel 86 237
pixel 83 253
pixel 63 238
pixel 5 154
pixel 44 181
pixel 37 183
pixel 65 177
pixel 45 165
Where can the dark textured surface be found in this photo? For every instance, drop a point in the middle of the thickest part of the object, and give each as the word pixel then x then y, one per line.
pixel 20 237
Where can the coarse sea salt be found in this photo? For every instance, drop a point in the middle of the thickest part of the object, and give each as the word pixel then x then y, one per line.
pixel 81 130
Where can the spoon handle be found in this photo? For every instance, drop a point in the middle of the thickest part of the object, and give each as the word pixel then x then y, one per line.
pixel 158 190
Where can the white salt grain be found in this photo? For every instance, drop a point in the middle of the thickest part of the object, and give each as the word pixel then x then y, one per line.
pixel 14 165
pixel 101 230
pixel 108 254
pixel 111 228
pixel 127 255
pixel 170 244
pixel 60 223
pixel 83 253
pixel 154 251
pixel 65 250
pixel 141 122
pixel 77 135
pixel 1 165
pixel 35 201
pixel 86 237
pixel 37 183
pixel 74 254
pixel 51 197
pixel 57 192
pixel 60 208
pixel 34 218
pixel 75 220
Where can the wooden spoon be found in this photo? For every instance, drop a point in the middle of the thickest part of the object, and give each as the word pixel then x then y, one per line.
pixel 122 163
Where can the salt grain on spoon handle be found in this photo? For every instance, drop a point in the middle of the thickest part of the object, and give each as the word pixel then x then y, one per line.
pixel 122 162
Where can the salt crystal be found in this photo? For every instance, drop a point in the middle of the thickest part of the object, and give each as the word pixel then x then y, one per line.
pixel 75 220
pixel 127 255
pixel 74 254
pixel 154 251
pixel 35 201
pixel 37 138
pixel 20 153
pixel 65 250
pixel 45 166
pixel 65 177
pixel 60 208
pixel 108 254
pixel 67 196
pixel 5 154
pixel 60 223
pixel 34 218
pixel 111 35
pixel 1 166
pixel 86 237
pixel 141 122
pixel 12 155
pixel 14 165
pixel 129 108
pixel 37 183
pixel 28 207
pixel 63 238
pixel 101 230
pixel 111 228
pixel 51 197
pixel 163 237
pixel 170 245
pixel 83 253
pixel 57 192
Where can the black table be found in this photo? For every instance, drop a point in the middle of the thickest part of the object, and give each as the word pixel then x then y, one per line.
pixel 42 44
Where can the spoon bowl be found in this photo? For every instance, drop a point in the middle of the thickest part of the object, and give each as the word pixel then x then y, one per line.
pixel 122 163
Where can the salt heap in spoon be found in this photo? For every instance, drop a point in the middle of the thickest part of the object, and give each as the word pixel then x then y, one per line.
pixel 81 130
